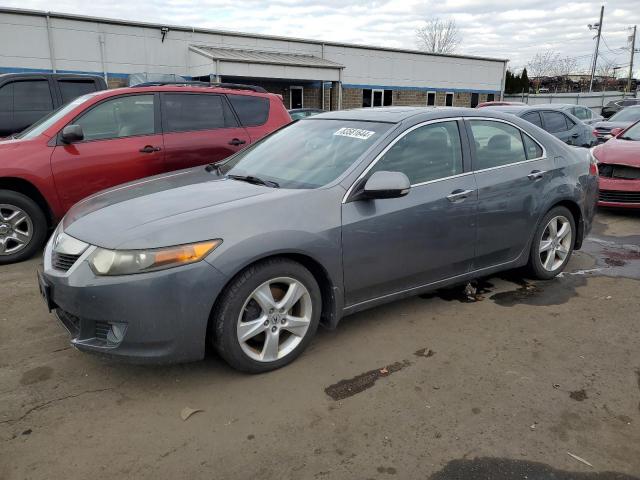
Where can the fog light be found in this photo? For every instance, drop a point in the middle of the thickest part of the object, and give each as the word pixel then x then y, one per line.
pixel 116 333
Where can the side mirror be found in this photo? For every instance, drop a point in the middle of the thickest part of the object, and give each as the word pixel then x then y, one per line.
pixel 616 131
pixel 386 185
pixel 72 133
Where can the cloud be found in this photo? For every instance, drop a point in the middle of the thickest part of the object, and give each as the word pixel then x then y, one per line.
pixel 494 28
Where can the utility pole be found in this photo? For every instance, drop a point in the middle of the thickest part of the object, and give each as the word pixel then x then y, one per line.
pixel 633 51
pixel 595 55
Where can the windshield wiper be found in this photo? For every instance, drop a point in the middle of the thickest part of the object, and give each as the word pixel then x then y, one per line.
pixel 255 180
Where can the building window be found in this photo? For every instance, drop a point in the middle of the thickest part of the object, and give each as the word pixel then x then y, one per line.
pixel 474 100
pixel 376 97
pixel 296 97
pixel 431 99
pixel 491 97
pixel 448 100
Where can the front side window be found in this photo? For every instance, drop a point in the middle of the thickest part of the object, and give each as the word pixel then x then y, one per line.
pixel 32 96
pixel 426 153
pixel 183 112
pixel 48 120
pixel 554 122
pixel 306 154
pixel 119 117
pixel 496 144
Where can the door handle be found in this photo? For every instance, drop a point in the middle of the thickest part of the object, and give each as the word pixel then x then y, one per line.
pixel 149 149
pixel 575 135
pixel 536 175
pixel 459 195
pixel 237 141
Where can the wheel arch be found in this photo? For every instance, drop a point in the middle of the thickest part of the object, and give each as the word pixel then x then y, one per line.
pixel 330 293
pixel 27 188
pixel 578 219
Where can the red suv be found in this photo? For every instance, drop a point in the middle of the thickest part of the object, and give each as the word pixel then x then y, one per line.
pixel 106 138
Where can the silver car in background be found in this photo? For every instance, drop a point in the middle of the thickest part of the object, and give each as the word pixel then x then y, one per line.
pixel 556 120
pixel 328 216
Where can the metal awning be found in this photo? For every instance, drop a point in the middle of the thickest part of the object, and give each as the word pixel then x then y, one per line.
pixel 262 57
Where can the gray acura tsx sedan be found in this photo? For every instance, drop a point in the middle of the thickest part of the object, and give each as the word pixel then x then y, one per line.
pixel 328 216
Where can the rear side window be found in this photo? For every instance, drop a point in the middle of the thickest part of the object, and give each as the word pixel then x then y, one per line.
pixel 119 117
pixel 70 89
pixel 426 153
pixel 496 144
pixel 32 96
pixel 554 122
pixel 533 117
pixel 252 111
pixel 184 112
pixel 533 150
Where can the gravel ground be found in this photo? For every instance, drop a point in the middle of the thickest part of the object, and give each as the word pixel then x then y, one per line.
pixel 521 380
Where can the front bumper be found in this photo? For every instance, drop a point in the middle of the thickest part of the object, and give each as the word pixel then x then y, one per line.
pixel 156 317
pixel 619 193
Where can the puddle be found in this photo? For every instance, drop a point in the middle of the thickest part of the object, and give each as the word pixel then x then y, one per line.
pixel 613 256
pixel 544 293
pixel 470 293
pixel 347 388
pixel 578 395
pixel 507 469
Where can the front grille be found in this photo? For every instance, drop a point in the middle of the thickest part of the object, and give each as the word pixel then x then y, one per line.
pixel 63 261
pixel 102 330
pixel 623 172
pixel 619 197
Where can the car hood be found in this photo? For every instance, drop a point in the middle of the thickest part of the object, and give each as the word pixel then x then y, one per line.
pixel 619 152
pixel 159 211
pixel 610 125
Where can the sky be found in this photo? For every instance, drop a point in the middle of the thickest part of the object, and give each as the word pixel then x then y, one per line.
pixel 515 30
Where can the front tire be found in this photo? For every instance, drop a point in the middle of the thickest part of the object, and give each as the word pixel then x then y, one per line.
pixel 267 316
pixel 552 244
pixel 23 227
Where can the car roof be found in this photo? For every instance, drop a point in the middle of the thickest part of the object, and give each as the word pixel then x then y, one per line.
pixel 183 88
pixel 400 114
pixel 517 109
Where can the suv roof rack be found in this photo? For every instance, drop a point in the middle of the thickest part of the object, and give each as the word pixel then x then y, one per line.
pixel 231 86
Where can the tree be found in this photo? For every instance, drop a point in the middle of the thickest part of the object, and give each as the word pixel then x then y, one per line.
pixel 438 36
pixel 542 65
pixel 524 81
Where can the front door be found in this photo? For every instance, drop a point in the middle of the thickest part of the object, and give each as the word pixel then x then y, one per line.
pixel 199 128
pixel 512 174
pixel 392 245
pixel 296 97
pixel 121 143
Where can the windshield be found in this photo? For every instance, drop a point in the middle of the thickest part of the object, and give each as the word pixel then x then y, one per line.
pixel 632 134
pixel 626 115
pixel 48 120
pixel 306 154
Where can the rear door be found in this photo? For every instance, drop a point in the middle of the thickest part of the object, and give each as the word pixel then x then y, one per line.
pixel 199 128
pixel 511 172
pixel 122 142
pixel 395 244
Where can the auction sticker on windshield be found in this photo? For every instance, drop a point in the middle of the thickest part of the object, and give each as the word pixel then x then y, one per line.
pixel 354 133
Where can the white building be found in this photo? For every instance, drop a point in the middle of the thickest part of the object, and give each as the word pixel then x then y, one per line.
pixel 352 75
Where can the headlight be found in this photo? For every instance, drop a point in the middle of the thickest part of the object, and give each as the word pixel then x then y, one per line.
pixel 127 262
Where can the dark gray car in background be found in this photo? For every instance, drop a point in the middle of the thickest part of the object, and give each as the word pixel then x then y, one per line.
pixel 622 119
pixel 323 218
pixel 556 120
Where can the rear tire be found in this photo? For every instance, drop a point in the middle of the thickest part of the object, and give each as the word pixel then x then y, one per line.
pixel 23 227
pixel 267 316
pixel 552 244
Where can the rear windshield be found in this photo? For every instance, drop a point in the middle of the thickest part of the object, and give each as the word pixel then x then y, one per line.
pixel 252 111
pixel 626 115
pixel 308 153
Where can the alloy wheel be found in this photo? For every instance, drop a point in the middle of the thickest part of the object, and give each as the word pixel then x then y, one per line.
pixel 555 243
pixel 16 229
pixel 274 319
